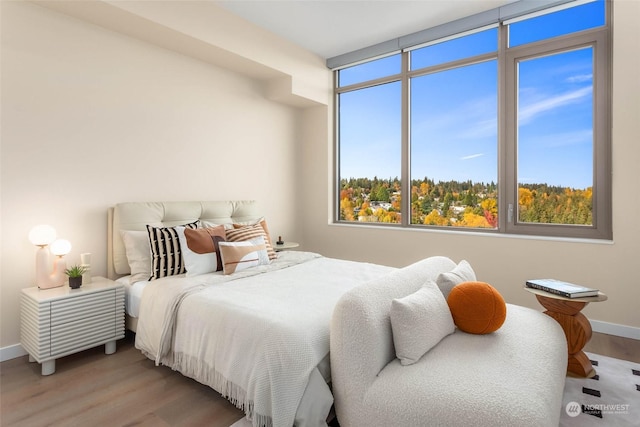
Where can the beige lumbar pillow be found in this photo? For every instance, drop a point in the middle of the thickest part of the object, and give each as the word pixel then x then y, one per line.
pixel 238 256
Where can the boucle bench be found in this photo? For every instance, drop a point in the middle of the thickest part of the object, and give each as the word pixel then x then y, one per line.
pixel 513 376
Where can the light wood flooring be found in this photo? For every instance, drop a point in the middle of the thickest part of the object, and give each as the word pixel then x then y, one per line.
pixel 127 389
pixel 92 389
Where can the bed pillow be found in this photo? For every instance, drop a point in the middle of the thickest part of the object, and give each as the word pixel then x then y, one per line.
pixel 419 321
pixel 461 273
pixel 136 245
pixel 238 256
pixel 242 233
pixel 200 249
pixel 166 256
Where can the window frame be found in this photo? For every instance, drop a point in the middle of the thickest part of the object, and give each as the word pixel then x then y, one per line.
pixel 601 195
pixel 600 39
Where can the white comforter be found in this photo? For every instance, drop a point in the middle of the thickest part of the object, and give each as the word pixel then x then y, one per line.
pixel 254 337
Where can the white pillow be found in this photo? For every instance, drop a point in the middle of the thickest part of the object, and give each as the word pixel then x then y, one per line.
pixel 238 256
pixel 136 244
pixel 200 263
pixel 419 321
pixel 461 273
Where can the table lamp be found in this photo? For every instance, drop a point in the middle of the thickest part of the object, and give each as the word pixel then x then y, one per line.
pixel 43 236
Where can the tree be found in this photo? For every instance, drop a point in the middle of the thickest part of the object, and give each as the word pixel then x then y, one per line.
pixel 424 189
pixel 434 218
pixel 470 219
pixel 426 206
pixel 490 211
pixel 346 210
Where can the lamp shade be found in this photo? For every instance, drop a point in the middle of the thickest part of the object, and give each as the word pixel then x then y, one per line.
pixel 60 247
pixel 42 235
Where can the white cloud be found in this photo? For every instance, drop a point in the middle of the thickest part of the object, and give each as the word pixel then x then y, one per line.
pixel 473 119
pixel 472 156
pixel 580 78
pixel 528 113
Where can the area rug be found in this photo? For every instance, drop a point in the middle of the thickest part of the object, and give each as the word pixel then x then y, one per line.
pixel 611 398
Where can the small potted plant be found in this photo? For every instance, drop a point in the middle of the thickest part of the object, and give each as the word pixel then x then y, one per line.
pixel 75 275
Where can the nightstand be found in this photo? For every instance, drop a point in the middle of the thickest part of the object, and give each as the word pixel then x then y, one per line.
pixel 284 246
pixel 61 321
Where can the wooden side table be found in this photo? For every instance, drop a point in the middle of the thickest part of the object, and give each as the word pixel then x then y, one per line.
pixel 576 326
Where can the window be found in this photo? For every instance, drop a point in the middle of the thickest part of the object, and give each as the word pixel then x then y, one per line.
pixel 504 129
pixel 370 146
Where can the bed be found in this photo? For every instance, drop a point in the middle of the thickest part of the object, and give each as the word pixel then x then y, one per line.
pixel 259 336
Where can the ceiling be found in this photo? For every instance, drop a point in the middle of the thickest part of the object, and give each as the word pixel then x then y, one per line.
pixel 333 27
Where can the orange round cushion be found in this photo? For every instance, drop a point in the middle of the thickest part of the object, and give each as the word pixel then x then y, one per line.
pixel 477 307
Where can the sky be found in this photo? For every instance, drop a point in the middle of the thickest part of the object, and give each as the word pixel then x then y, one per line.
pixel 454 113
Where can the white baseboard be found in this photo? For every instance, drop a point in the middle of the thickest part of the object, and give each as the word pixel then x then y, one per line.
pixel 615 329
pixel 11 352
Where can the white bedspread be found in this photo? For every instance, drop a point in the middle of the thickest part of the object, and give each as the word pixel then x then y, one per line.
pixel 254 339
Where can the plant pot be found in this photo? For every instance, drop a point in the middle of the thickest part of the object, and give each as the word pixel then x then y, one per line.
pixel 75 282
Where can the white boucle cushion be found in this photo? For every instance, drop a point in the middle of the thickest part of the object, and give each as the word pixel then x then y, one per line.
pixel 419 321
pixel 461 273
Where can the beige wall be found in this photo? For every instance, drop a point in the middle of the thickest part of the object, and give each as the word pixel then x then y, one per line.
pixel 503 261
pixel 91 117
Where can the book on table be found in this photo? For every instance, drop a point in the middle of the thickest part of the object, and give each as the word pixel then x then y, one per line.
pixel 558 287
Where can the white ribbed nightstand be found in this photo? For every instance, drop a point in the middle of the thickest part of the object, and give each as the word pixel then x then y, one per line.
pixel 61 321
pixel 284 246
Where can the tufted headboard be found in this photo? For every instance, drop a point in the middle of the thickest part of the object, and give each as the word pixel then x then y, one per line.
pixel 136 215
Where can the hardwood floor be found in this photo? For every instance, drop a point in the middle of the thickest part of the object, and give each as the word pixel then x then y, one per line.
pixel 93 389
pixel 612 346
pixel 127 389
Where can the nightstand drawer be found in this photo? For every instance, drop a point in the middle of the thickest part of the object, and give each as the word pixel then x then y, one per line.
pixel 84 333
pixel 83 306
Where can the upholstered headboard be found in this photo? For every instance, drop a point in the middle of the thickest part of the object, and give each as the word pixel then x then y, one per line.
pixel 136 215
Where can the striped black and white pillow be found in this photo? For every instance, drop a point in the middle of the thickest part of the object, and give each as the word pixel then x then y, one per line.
pixel 166 256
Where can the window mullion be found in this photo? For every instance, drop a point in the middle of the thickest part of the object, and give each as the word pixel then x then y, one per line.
pixel 405 119
pixel 507 187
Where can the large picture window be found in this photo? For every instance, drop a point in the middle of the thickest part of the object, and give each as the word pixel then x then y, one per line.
pixel 501 130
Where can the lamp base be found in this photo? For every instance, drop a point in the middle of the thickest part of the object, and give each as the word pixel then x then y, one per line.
pixel 43 278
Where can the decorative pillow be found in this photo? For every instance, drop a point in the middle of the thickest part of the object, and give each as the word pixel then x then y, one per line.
pixel 477 307
pixel 419 321
pixel 238 256
pixel 200 249
pixel 461 273
pixel 261 221
pixel 242 233
pixel 136 245
pixel 166 257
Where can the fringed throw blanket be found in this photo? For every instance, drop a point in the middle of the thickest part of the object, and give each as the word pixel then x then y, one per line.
pixel 254 339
